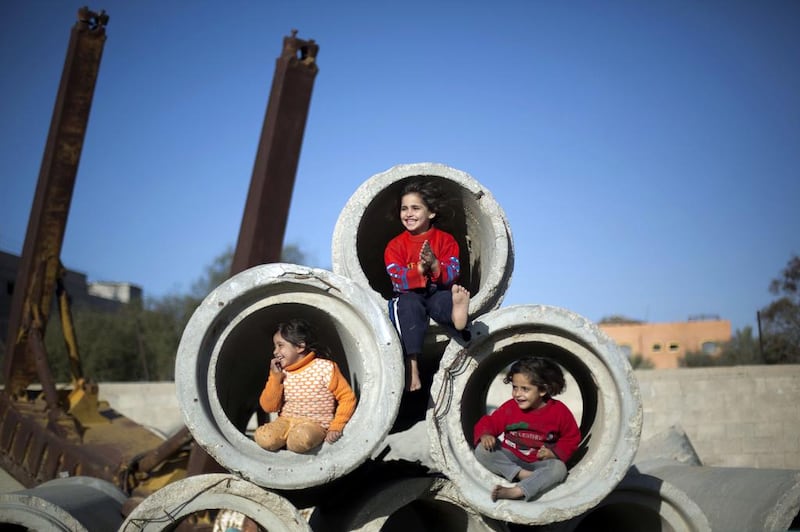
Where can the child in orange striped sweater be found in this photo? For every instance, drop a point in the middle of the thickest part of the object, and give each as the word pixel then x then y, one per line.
pixel 313 399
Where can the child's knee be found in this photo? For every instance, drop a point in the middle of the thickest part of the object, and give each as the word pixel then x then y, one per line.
pixel 305 437
pixel 560 469
pixel 482 455
pixel 269 436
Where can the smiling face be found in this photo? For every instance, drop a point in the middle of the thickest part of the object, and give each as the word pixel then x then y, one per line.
pixel 527 395
pixel 286 352
pixel 415 215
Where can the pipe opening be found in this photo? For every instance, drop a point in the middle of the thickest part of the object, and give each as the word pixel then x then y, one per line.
pixel 200 499
pixel 487 380
pixel 633 516
pixel 243 360
pixel 223 364
pixel 428 515
pixel 371 219
pixel 381 222
pixel 413 503
pixel 609 418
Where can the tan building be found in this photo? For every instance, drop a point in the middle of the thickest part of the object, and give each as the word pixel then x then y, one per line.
pixel 664 343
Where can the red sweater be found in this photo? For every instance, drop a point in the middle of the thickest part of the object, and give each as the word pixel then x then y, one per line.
pixel 523 432
pixel 402 255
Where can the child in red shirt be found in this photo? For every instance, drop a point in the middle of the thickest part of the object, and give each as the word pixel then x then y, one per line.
pixel 423 264
pixel 532 435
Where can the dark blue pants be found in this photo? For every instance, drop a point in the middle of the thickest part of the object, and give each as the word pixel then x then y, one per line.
pixel 411 311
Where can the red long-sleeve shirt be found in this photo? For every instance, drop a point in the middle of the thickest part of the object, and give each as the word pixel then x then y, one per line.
pixel 523 432
pixel 402 255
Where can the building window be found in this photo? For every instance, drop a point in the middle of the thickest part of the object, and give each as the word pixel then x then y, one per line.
pixel 656 347
pixel 673 346
pixel 709 348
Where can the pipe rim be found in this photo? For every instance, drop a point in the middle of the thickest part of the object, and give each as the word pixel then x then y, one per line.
pixel 615 427
pixel 496 280
pixel 165 507
pixel 199 358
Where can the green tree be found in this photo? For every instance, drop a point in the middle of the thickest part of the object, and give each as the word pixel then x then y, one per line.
pixel 742 349
pixel 619 318
pixel 780 320
pixel 640 362
pixel 697 359
pixel 138 341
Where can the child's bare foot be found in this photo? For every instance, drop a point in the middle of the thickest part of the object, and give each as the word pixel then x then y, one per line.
pixel 500 492
pixel 413 382
pixel 460 307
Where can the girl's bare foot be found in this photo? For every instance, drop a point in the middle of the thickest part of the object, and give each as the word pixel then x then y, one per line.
pixel 413 382
pixel 501 492
pixel 460 307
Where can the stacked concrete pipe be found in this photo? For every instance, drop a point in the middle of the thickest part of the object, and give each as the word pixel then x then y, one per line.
pixel 413 503
pixel 223 363
pixel 641 502
pixel 174 503
pixel 736 498
pixel 610 422
pixel 370 219
pixel 74 504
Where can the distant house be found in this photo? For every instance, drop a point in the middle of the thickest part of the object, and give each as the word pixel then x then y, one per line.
pixel 101 295
pixel 665 343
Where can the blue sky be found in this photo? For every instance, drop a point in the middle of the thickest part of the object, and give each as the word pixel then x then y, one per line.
pixel 646 153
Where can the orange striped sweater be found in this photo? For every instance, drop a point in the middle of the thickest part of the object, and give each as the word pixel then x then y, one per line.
pixel 312 388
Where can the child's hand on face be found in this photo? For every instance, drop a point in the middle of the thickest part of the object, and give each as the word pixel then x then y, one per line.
pixel 488 442
pixel 333 435
pixel 275 369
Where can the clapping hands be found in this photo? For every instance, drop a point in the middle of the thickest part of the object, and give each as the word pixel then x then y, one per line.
pixel 428 262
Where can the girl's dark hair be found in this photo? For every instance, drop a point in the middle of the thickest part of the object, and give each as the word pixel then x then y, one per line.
pixel 542 372
pixel 297 331
pixel 431 195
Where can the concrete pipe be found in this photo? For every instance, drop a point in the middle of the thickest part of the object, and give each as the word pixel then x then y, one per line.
pixel 167 507
pixel 72 504
pixel 414 503
pixel 672 445
pixel 736 498
pixel 370 219
pixel 223 363
pixel 641 502
pixel 610 419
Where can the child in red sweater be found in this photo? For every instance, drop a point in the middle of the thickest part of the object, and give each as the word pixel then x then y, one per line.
pixel 313 398
pixel 423 264
pixel 532 435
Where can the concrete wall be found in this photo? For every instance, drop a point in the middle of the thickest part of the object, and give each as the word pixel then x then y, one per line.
pixel 742 416
pixel 745 416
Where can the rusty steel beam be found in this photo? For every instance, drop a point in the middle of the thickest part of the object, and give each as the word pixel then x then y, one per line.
pixel 267 206
pixel 39 265
pixel 39 439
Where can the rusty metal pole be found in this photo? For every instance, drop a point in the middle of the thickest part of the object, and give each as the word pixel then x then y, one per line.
pixel 267 206
pixel 39 265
